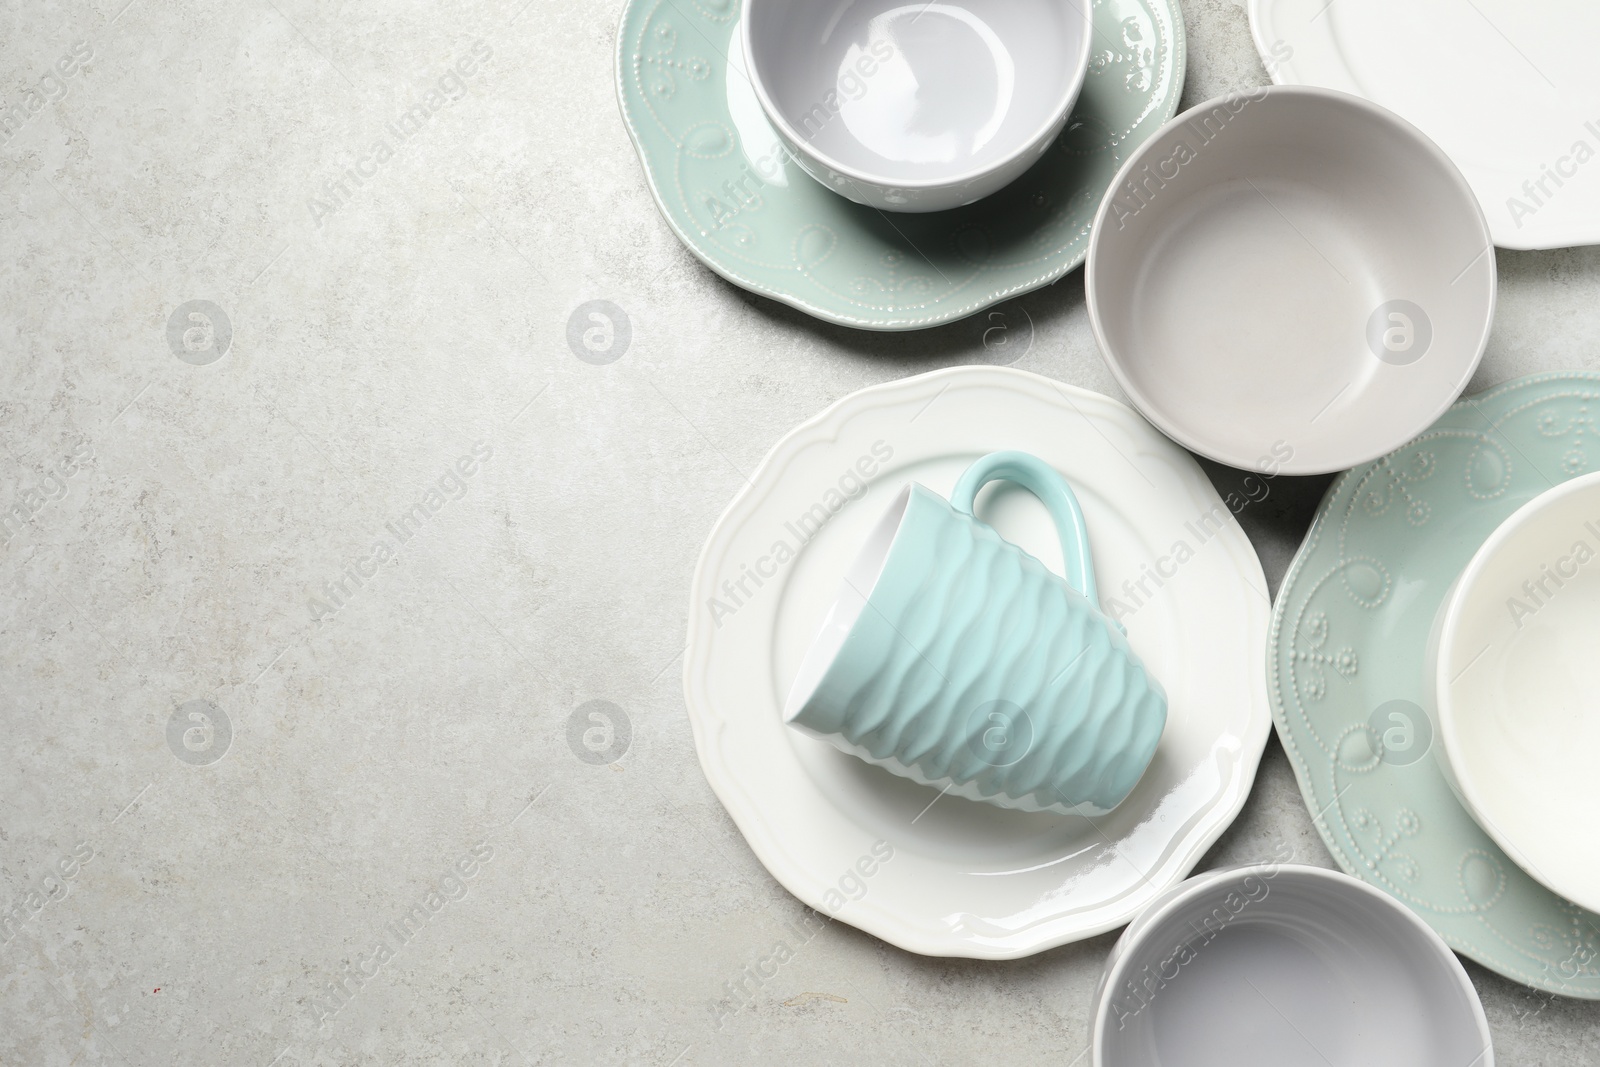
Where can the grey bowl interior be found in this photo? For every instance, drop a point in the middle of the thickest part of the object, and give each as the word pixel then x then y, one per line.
pixel 1244 275
pixel 918 92
pixel 1298 967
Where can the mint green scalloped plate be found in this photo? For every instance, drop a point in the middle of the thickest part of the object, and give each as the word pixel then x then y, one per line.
pixel 719 176
pixel 1348 635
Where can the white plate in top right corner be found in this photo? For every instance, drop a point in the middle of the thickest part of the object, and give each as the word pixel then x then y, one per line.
pixel 1505 87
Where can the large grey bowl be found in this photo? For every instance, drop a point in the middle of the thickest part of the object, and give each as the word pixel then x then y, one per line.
pixel 1291 276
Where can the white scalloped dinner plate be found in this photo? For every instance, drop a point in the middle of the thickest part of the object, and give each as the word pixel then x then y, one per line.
pixel 1505 87
pixel 963 878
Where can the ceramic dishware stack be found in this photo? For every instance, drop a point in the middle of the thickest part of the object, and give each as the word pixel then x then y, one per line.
pixel 967 878
pixel 1293 280
pixel 1350 685
pixel 916 107
pixel 740 201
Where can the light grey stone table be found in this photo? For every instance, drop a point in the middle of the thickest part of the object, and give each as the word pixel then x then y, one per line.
pixel 189 567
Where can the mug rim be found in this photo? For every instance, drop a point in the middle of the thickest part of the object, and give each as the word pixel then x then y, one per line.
pixel 892 522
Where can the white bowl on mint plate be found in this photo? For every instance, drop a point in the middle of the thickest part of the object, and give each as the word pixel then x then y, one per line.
pixel 1514 673
pixel 917 106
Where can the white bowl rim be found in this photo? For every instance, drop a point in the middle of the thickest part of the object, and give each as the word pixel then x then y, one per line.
pixel 1057 115
pixel 1159 416
pixel 1446 723
pixel 1181 895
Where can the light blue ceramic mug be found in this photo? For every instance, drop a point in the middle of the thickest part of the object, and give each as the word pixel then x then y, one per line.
pixel 955 658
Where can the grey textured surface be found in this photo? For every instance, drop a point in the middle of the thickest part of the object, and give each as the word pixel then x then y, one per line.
pixel 379 736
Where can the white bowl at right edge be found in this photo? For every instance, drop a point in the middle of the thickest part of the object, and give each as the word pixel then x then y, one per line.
pixel 1514 673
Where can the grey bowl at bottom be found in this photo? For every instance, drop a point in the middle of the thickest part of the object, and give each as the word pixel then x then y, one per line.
pixel 1288 965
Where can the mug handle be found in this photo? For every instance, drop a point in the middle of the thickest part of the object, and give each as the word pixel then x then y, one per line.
pixel 1046 483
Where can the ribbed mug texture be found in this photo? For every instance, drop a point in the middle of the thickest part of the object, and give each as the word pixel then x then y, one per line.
pixel 974 666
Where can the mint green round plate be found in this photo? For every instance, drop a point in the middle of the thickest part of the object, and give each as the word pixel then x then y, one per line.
pixel 724 186
pixel 1345 671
